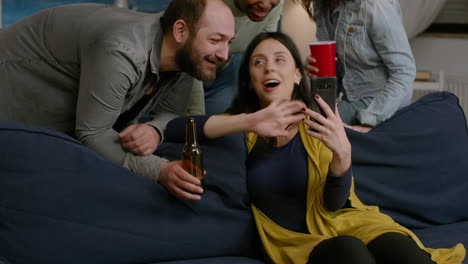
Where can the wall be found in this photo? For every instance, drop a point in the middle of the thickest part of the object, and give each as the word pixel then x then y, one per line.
pixel 448 55
pixel 437 53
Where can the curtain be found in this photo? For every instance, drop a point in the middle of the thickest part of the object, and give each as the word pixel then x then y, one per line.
pixel 419 14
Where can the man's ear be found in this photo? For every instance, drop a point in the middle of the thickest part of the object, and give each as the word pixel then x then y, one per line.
pixel 180 31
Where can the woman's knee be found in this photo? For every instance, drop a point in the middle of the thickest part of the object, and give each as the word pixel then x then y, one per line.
pixel 341 249
pixel 398 248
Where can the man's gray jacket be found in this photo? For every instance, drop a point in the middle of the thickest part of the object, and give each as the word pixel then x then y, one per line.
pixel 76 68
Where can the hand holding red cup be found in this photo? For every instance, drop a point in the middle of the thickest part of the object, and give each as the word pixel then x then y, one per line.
pixel 324 53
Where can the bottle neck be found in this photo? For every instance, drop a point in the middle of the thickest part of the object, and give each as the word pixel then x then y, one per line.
pixel 191 132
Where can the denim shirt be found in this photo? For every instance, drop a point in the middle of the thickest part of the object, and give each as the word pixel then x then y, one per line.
pixel 76 68
pixel 375 56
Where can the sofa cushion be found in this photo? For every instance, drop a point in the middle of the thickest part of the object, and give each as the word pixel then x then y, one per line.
pixel 62 203
pixel 444 236
pixel 219 260
pixel 414 165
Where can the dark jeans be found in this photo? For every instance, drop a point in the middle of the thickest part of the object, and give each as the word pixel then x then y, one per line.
pixel 389 248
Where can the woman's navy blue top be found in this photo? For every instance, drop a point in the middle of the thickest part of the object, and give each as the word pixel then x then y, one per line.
pixel 277 183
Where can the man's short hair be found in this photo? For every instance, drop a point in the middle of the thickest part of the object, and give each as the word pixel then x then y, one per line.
pixel 188 10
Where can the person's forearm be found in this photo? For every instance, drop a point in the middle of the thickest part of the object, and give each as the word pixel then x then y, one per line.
pixel 107 144
pixel 269 122
pixel 221 125
pixel 148 166
pixel 336 190
pixel 175 130
pixel 341 161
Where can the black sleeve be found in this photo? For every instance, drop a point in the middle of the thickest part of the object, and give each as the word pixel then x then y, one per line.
pixel 336 190
pixel 175 130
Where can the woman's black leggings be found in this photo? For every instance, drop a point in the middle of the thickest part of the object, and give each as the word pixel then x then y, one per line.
pixel 391 248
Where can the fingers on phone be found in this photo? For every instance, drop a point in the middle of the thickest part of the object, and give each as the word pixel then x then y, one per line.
pixel 326 109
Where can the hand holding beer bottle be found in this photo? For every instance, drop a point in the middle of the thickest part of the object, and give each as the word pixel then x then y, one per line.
pixel 192 154
pixel 183 178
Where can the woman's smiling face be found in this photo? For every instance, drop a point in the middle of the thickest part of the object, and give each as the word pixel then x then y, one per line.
pixel 273 72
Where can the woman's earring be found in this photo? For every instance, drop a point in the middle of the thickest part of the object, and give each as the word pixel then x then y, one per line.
pixel 297 83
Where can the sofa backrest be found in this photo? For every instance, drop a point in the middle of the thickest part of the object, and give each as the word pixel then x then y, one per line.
pixel 415 165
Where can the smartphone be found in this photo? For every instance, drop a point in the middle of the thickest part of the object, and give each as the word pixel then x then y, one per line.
pixel 326 88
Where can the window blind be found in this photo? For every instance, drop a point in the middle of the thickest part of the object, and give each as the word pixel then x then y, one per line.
pixel 454 12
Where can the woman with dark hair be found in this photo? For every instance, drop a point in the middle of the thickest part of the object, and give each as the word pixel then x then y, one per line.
pixel 300 181
pixel 375 64
pixel 247 100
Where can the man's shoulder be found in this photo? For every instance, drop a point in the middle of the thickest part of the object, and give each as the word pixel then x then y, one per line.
pixel 133 33
pixel 123 24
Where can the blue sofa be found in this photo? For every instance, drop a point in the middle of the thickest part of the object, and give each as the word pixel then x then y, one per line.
pixel 415 168
pixel 62 203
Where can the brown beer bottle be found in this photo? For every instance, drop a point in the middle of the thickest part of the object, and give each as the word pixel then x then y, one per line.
pixel 192 154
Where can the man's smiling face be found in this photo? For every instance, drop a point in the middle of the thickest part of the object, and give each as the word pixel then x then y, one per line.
pixel 209 45
pixel 257 10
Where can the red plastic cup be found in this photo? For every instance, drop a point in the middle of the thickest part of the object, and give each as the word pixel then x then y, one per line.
pixel 324 53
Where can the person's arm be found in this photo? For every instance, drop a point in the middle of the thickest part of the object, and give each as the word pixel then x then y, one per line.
pixel 269 122
pixel 336 190
pixel 175 130
pixel 386 31
pixel 143 139
pixel 107 72
pixel 214 126
pixel 330 131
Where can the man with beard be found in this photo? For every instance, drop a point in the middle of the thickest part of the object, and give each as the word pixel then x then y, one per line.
pixel 252 17
pixel 92 70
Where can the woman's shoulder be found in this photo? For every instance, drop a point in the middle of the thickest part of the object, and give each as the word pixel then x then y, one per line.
pixel 374 8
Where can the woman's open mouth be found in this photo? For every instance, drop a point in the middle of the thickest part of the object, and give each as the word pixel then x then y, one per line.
pixel 271 84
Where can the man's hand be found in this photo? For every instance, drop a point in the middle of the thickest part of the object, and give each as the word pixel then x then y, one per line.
pixel 179 182
pixel 140 139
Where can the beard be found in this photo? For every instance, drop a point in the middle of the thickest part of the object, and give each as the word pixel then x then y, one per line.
pixel 186 59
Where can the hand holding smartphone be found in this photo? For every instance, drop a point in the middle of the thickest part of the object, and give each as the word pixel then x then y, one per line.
pixel 326 88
